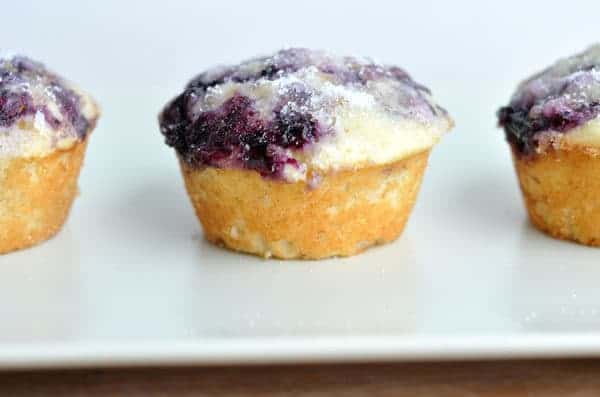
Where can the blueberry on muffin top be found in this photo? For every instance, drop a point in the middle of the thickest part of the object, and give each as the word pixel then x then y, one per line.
pixel 38 109
pixel 299 108
pixel 557 100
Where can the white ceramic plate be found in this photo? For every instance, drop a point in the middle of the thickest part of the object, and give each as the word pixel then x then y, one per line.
pixel 130 280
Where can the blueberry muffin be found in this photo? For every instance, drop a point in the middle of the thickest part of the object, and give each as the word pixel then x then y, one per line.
pixel 553 129
pixel 44 125
pixel 303 154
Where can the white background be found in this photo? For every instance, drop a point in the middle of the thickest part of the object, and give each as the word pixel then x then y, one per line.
pixel 131 266
pixel 135 55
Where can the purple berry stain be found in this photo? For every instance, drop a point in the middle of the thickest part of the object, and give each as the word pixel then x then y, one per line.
pixel 559 99
pixel 14 106
pixel 236 134
pixel 17 75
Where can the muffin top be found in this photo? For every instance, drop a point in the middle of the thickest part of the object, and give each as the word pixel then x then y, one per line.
pixel 300 110
pixel 562 98
pixel 39 111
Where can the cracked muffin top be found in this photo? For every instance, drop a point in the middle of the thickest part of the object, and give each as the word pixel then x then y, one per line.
pixel 39 111
pixel 298 110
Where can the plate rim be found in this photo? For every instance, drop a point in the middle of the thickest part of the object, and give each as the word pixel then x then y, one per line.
pixel 296 350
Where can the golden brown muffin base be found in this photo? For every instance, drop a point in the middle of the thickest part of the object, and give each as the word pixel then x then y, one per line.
pixel 346 213
pixel 36 195
pixel 561 188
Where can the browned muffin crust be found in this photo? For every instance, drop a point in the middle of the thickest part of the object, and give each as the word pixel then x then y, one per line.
pixel 561 189
pixel 36 195
pixel 348 212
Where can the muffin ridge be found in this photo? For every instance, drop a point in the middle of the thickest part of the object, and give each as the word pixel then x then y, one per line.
pixel 547 107
pixel 303 154
pixel 39 110
pixel 301 109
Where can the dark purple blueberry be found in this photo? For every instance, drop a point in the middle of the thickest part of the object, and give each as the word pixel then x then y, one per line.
pixel 201 82
pixel 23 64
pixel 269 71
pixel 14 106
pixel 174 123
pixel 291 60
pixel 50 118
pixel 235 135
pixel 69 105
pixel 295 130
pixel 522 129
pixel 558 99
pixel 15 102
pixel 518 127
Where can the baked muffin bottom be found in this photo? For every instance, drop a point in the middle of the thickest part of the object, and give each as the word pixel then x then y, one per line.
pixel 561 188
pixel 347 212
pixel 36 195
